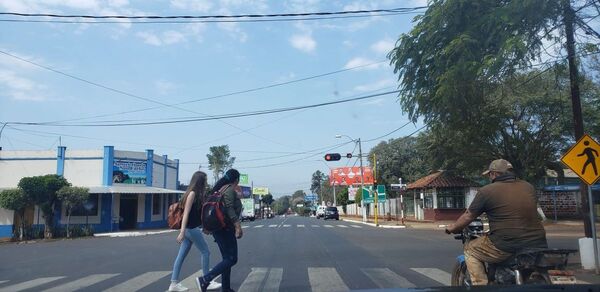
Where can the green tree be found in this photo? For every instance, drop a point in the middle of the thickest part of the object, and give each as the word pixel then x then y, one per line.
pixel 72 197
pixel 16 200
pixel 267 199
pixel 399 158
pixel 316 184
pixel 42 191
pixel 219 160
pixel 281 205
pixel 342 197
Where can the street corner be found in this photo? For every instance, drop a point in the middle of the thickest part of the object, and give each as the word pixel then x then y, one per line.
pixel 384 224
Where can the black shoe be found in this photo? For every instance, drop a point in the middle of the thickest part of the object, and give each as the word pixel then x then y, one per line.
pixel 202 284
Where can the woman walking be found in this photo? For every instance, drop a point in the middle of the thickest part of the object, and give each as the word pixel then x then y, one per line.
pixel 227 237
pixel 190 232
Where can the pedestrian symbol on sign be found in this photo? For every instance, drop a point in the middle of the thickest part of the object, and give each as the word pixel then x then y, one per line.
pixel 591 157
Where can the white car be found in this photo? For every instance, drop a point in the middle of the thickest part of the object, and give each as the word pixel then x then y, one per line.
pixel 321 212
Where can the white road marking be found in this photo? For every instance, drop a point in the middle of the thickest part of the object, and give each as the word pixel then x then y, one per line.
pixel 316 226
pixel 258 226
pixel 273 225
pixel 245 226
pixel 139 282
pixel 190 281
pixel 328 226
pixel 273 280
pixel 3 281
pixel 286 225
pixel 356 226
pixel 30 284
pixel 385 278
pixel 81 283
pixel 300 225
pixel 325 280
pixel 435 274
pixel 343 226
pixel 262 279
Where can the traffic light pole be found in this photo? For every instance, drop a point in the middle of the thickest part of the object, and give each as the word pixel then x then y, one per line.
pixel 362 182
pixel 375 194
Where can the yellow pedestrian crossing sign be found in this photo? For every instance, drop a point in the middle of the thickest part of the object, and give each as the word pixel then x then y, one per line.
pixel 584 159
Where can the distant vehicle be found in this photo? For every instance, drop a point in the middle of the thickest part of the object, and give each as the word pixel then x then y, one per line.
pixel 321 212
pixel 248 210
pixel 270 215
pixel 331 213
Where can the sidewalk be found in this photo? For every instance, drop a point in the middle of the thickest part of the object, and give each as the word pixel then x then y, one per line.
pixel 381 223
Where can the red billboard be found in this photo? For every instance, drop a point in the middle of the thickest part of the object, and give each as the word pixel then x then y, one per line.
pixel 347 176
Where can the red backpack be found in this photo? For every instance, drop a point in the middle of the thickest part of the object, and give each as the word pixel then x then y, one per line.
pixel 213 212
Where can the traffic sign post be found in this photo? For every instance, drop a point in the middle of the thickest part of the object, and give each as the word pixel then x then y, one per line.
pixel 584 159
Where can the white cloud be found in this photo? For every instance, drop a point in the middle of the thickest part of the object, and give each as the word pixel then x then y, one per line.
pixel 165 38
pixel 299 6
pixel 366 64
pixel 381 84
pixel 303 43
pixel 377 102
pixel 164 87
pixel 234 31
pixel 21 88
pixel 383 47
pixel 192 5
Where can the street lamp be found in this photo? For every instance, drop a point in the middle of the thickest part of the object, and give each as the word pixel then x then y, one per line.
pixel 362 183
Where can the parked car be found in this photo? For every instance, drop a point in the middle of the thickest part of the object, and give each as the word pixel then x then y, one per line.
pixel 331 213
pixel 321 212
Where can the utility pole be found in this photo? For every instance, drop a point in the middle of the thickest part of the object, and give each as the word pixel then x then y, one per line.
pixel 362 181
pixel 569 17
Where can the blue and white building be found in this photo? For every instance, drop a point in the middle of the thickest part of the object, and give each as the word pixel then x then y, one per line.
pixel 128 189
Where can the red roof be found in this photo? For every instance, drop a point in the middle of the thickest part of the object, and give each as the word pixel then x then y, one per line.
pixel 441 179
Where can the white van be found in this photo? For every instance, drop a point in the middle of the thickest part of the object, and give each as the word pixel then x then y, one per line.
pixel 321 211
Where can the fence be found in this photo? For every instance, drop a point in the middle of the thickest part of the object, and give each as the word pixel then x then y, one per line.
pixel 390 206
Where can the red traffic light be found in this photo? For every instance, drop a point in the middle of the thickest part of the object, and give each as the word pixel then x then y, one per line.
pixel 333 156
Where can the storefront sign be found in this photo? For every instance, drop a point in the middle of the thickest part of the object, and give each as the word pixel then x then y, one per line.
pixel 127 171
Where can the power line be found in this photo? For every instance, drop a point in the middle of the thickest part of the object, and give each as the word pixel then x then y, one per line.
pixel 154 17
pixel 208 118
pixel 392 132
pixel 206 21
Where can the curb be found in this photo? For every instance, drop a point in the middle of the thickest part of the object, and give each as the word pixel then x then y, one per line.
pixel 132 233
pixel 373 224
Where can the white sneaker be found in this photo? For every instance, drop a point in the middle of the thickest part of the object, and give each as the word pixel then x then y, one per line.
pixel 177 287
pixel 214 285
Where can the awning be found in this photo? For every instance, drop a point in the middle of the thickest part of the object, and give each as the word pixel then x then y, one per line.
pixel 131 189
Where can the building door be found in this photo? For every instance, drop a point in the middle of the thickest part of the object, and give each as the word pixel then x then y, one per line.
pixel 128 211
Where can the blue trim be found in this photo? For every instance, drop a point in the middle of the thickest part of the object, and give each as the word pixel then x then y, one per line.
pixel 6 231
pixel 460 259
pixel 60 160
pixel 108 164
pixel 149 166
pixel 165 172
pixel 177 174
pixel 29 158
pixel 83 158
pixel 148 209
pixel 569 188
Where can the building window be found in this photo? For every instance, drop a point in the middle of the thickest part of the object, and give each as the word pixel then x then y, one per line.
pixel 156 204
pixel 451 198
pixel 428 199
pixel 92 204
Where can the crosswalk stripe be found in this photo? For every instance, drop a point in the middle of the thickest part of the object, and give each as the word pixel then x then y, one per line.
pixel 30 284
pixel 262 279
pixel 316 226
pixel 258 226
pixel 300 225
pixel 138 282
pixel 325 279
pixel 286 225
pixel 328 226
pixel 385 278
pixel 343 226
pixel 3 281
pixel 190 282
pixel 273 225
pixel 81 283
pixel 435 274
pixel 356 226
pixel 245 226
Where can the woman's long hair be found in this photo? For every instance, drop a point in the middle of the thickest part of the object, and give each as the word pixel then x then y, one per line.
pixel 230 177
pixel 198 185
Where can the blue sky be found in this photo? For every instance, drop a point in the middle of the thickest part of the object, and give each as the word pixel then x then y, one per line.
pixel 172 63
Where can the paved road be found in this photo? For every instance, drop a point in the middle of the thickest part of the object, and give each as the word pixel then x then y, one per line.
pixel 280 254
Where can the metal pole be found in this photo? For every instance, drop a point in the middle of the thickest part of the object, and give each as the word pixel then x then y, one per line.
pixel 375 194
pixel 593 227
pixel 334 201
pixel 362 182
pixel 554 197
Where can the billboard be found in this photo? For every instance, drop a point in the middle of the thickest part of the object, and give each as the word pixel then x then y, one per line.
pixel 127 171
pixel 260 191
pixel 244 179
pixel 348 176
pixel 246 192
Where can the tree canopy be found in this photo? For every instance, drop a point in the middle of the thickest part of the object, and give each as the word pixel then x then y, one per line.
pixel 219 160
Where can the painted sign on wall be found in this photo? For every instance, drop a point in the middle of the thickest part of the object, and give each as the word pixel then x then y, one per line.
pixel 126 171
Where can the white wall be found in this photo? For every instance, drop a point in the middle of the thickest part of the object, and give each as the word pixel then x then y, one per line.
pixel 13 170
pixel 141 213
pixel 158 175
pixel 82 219
pixel 470 196
pixel 84 172
pixel 6 217
pixel 171 178
pixel 130 154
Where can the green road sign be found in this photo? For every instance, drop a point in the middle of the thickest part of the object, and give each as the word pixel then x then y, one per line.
pixel 244 179
pixel 368 196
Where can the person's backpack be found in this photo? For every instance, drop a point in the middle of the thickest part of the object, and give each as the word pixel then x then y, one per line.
pixel 213 213
pixel 175 215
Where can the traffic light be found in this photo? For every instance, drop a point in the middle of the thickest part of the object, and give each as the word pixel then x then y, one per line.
pixel 349 155
pixel 333 156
